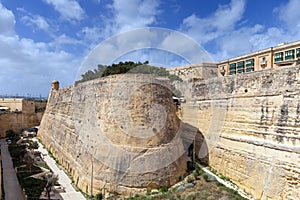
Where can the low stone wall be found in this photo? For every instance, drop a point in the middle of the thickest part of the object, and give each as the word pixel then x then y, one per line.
pixel 251 126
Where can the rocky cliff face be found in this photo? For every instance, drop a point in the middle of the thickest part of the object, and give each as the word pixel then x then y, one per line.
pixel 250 123
pixel 122 130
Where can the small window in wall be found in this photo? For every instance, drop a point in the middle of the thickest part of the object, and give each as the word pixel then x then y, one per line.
pixel 239 71
pixel 289 55
pixel 250 65
pixel 249 62
pixel 222 70
pixel 263 62
pixel 298 53
pixel 278 57
pixel 240 65
pixel 232 68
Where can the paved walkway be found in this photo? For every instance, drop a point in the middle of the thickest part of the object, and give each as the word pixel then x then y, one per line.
pixel 12 187
pixel 63 179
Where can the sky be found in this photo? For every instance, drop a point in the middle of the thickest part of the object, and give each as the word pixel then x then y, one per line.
pixel 43 40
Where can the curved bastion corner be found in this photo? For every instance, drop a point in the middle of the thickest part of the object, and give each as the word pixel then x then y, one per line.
pixel 117 134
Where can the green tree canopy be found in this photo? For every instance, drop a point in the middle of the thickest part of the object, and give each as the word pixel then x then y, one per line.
pixel 127 67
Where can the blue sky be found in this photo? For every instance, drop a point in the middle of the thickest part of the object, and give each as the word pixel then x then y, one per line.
pixel 42 40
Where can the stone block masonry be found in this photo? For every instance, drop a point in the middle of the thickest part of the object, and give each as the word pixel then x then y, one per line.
pixel 251 126
pixel 116 134
pixel 18 121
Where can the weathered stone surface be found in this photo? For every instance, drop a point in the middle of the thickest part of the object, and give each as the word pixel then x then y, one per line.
pixel 250 123
pixel 125 126
pixel 18 121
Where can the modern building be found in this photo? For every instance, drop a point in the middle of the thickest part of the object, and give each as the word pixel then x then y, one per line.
pixel 285 54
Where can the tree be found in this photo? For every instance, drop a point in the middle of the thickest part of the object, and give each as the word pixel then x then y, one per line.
pixel 32 144
pixel 29 158
pixel 51 180
pixel 127 67
pixel 12 135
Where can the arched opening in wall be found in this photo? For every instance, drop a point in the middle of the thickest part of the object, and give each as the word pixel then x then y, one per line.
pixel 201 149
pixel 195 146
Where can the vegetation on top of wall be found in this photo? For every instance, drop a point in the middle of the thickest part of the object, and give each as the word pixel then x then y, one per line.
pixel 127 67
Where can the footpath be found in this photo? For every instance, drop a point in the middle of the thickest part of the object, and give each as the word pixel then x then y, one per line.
pixel 63 179
pixel 12 187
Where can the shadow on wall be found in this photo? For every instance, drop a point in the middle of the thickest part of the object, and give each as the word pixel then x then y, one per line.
pixel 195 144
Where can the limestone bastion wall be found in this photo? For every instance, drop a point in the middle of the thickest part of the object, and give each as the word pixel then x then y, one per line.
pixel 121 130
pixel 251 125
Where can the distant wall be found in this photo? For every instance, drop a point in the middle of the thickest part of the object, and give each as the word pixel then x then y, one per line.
pixel 18 121
pixel 28 106
pixel 196 71
pixel 18 104
pixel 13 104
pixel 251 123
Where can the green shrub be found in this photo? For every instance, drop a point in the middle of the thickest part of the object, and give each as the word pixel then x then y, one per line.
pixel 199 171
pixel 163 189
pixel 206 178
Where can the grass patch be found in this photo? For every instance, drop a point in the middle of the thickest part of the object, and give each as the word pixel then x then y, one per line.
pixel 33 187
pixel 44 165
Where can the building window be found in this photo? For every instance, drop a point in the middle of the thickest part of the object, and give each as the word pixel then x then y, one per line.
pixel 289 55
pixel 298 53
pixel 278 57
pixel 250 69
pixel 222 70
pixel 239 71
pixel 250 65
pixel 240 65
pixel 232 68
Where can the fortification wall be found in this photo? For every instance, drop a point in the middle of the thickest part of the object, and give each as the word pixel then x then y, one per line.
pixel 120 130
pixel 251 125
pixel 18 121
pixel 13 104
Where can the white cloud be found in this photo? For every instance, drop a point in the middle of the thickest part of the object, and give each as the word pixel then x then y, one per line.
pixel 60 41
pixel 36 21
pixel 68 9
pixel 289 13
pixel 128 15
pixel 31 66
pixel 7 21
pixel 90 34
pixel 223 20
pixel 224 32
pixel 123 16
